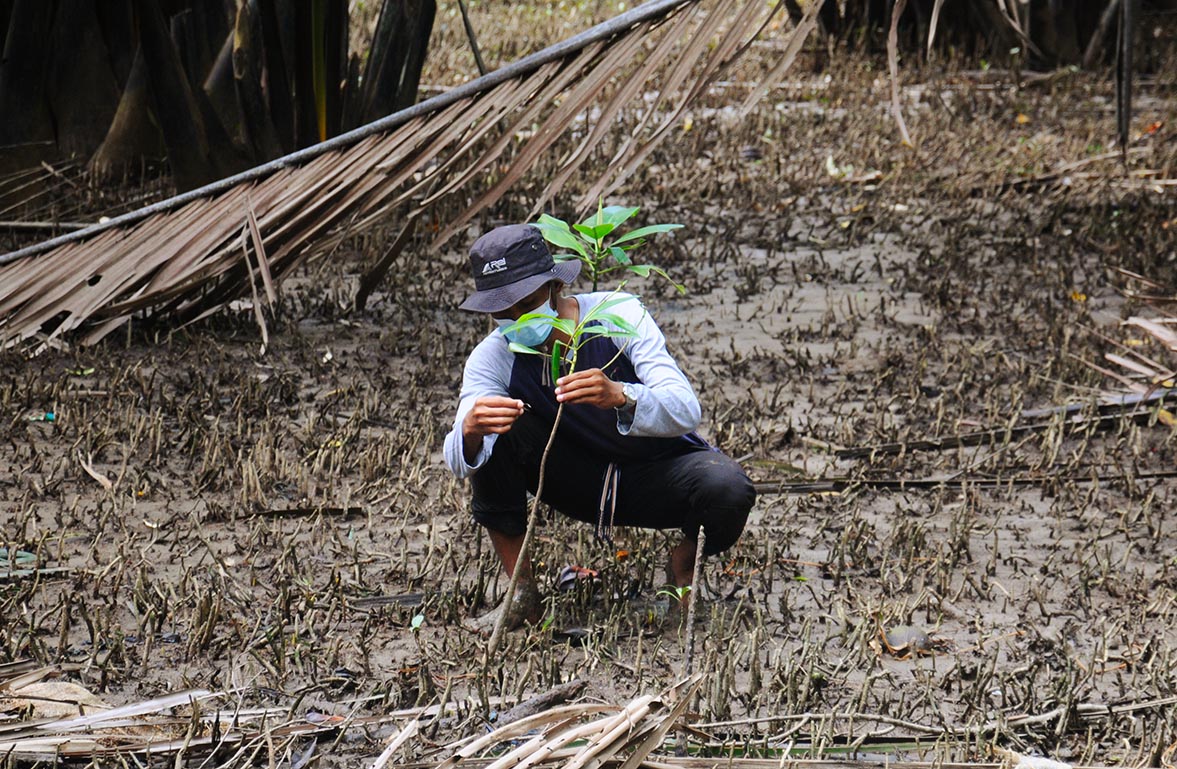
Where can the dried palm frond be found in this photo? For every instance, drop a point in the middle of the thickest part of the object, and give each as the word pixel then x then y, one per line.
pixel 95 729
pixel 582 735
pixel 1142 356
pixel 190 724
pixel 42 201
pixel 187 256
pixel 1147 376
pixel 196 723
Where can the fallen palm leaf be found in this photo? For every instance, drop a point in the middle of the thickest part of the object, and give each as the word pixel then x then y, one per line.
pixel 520 727
pixel 935 22
pixel 15 675
pixel 53 700
pixel 1165 335
pixel 564 739
pixel 395 743
pixel 175 725
pixel 1158 376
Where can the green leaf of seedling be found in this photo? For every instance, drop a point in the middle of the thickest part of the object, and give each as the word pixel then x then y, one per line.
pixel 547 220
pixel 617 321
pixel 556 232
pixel 556 353
pixel 563 257
pixel 609 333
pixel 620 255
pixel 594 232
pixel 645 269
pixel 565 326
pixel 615 215
pixel 522 349
pixel 642 232
pixel 608 304
pixel 416 623
pixel 599 216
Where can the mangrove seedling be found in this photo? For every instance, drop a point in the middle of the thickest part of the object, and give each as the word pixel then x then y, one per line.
pixel 602 251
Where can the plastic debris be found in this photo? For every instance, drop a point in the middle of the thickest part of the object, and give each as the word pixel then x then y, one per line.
pixel 571 576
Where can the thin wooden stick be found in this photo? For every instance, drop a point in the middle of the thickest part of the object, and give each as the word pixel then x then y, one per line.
pixel 482 70
pixel 689 662
pixel 893 68
pixel 496 636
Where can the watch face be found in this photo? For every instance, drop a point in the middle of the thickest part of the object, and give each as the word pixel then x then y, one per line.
pixel 630 396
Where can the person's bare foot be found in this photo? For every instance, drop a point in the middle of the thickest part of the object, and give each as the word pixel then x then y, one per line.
pixel 526 606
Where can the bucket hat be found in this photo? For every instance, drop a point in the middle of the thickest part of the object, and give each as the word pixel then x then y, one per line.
pixel 509 263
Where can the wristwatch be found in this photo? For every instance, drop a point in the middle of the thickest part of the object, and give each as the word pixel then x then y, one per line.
pixel 630 393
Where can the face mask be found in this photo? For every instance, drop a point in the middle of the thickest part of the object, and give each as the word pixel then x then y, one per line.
pixel 532 335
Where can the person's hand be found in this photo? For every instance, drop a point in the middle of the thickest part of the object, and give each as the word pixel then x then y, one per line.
pixel 590 386
pixel 491 414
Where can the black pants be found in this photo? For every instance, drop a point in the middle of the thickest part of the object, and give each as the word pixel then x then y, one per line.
pixel 699 488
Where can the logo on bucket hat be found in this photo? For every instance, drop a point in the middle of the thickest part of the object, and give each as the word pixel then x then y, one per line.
pixel 510 262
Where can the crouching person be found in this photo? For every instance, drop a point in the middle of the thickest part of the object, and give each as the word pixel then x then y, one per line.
pixel 625 452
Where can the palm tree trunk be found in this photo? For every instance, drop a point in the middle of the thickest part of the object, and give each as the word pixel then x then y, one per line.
pixel 174 105
pixel 393 71
pixel 81 89
pixel 23 66
pixel 277 35
pixel 132 135
pixel 261 135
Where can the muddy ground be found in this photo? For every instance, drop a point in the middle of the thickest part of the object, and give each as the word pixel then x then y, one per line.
pixel 269 524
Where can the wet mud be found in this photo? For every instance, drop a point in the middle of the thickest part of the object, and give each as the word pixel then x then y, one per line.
pixel 279 525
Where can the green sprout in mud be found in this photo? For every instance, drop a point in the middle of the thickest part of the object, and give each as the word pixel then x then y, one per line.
pixel 675 592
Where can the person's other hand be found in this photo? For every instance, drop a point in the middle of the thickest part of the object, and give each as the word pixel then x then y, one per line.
pixel 590 386
pixel 491 414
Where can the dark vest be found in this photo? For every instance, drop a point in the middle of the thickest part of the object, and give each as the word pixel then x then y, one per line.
pixel 593 429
